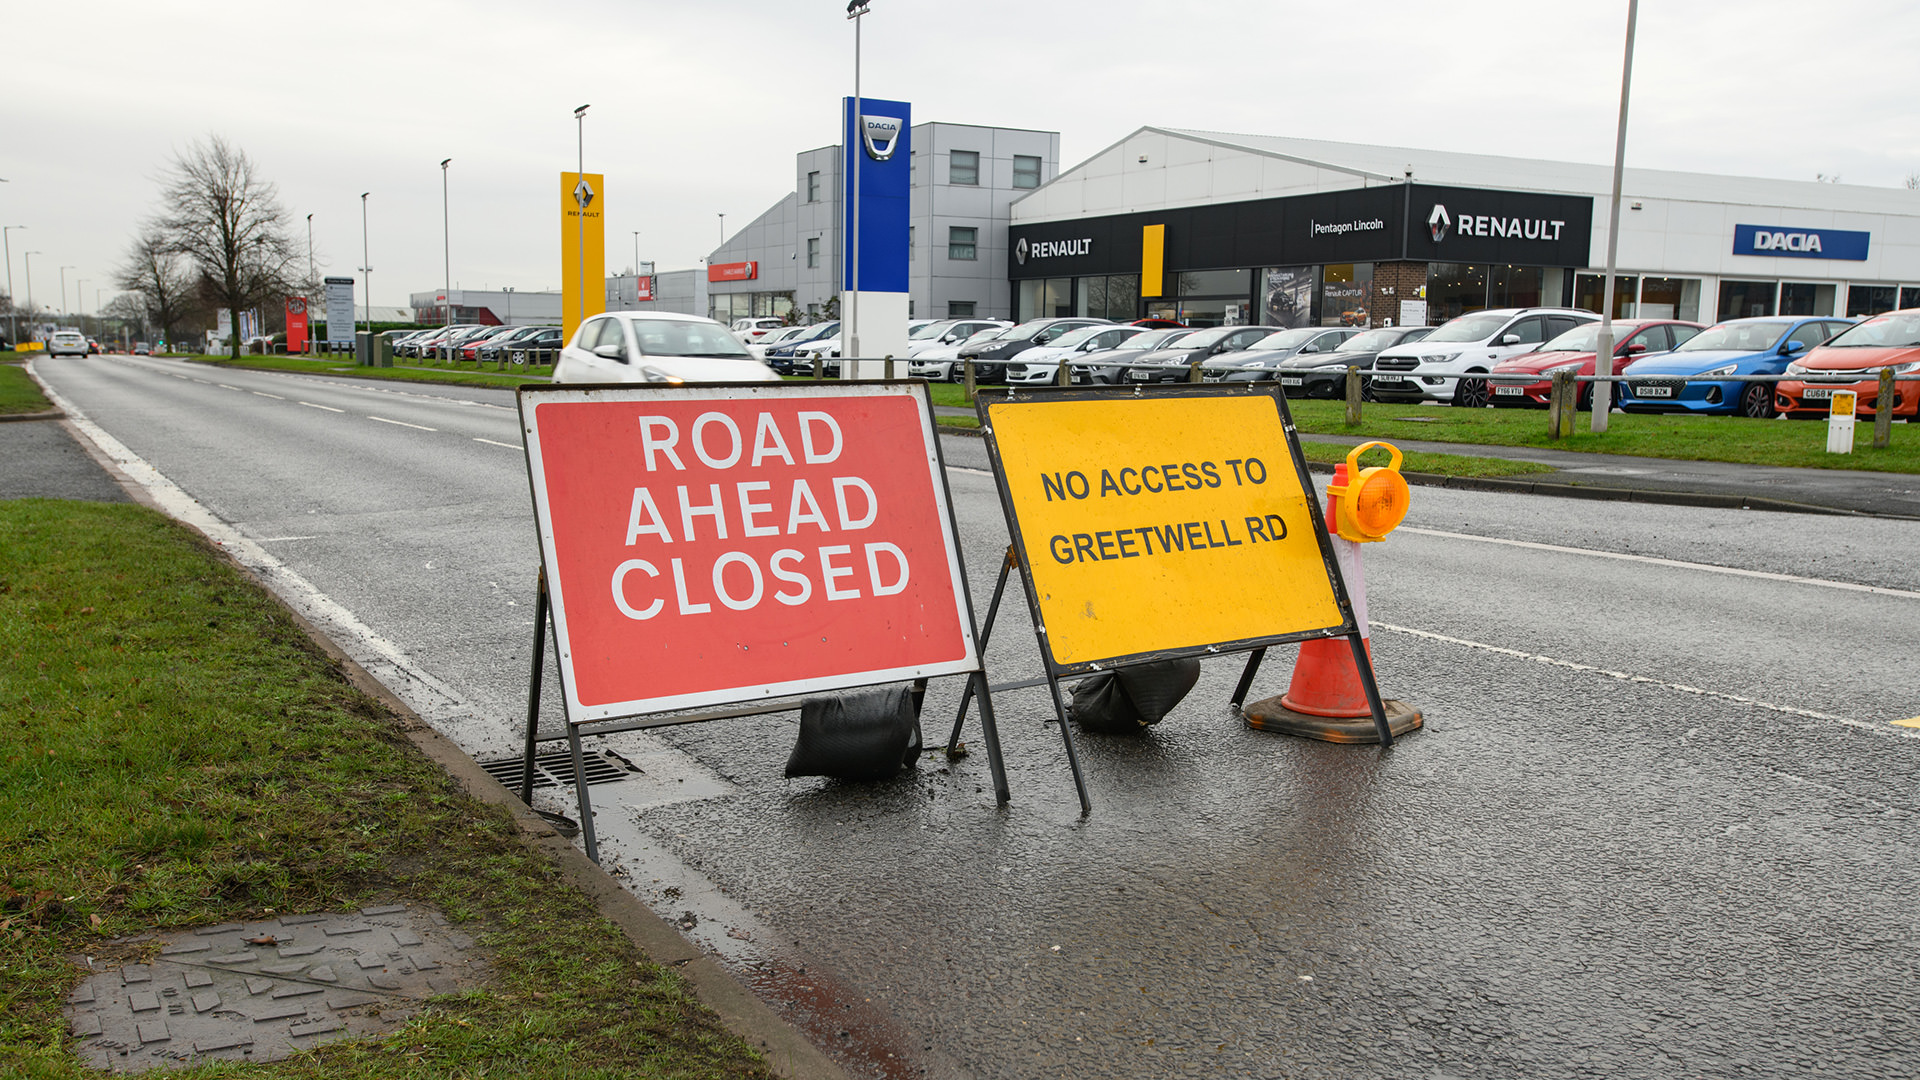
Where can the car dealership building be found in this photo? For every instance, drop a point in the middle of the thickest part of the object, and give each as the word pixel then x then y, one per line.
pixel 1212 229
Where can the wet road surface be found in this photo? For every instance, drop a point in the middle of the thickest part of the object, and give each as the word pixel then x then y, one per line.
pixel 1660 821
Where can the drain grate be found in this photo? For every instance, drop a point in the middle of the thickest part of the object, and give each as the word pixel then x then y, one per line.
pixel 556 769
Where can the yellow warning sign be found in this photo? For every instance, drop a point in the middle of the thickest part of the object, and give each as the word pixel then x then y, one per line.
pixel 1165 522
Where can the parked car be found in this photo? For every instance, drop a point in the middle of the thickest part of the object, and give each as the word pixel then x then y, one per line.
pixel 1574 351
pixel 1324 375
pixel 403 338
pixel 1160 324
pixel 1041 365
pixel 500 346
pixel 953 333
pixel 438 342
pixel 469 348
pixel 67 343
pixel 657 347
pixel 1758 346
pixel 540 347
pixel 781 357
pixel 942 362
pixel 1109 367
pixel 1884 341
pixel 1260 361
pixel 778 337
pixel 990 357
pixel 1171 363
pixel 1431 369
pixel 750 330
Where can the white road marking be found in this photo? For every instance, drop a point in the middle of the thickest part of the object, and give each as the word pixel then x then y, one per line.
pixel 281 539
pixel 224 386
pixel 1651 560
pixel 402 423
pixel 508 445
pixel 970 469
pixel 262 393
pixel 329 408
pixel 1678 688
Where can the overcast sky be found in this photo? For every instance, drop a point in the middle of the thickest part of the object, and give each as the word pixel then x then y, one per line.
pixel 699 107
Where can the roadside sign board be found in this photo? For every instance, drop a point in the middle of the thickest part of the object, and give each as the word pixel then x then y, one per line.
pixel 1176 521
pixel 708 544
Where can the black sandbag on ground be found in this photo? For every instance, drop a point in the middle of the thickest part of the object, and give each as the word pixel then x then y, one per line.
pixel 867 735
pixel 1132 698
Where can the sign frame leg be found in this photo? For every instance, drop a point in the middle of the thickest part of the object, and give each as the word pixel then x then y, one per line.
pixel 1246 677
pixel 986 631
pixel 533 687
pixel 580 792
pixel 1066 736
pixel 1365 663
pixel 991 732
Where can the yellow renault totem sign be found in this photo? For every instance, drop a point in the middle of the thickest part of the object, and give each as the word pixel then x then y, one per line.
pixel 583 249
pixel 1163 522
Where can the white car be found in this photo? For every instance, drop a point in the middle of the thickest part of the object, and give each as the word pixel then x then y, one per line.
pixel 778 337
pixel 67 343
pixel 950 332
pixel 656 347
pixel 1041 365
pixel 943 362
pixel 1430 369
pixel 748 331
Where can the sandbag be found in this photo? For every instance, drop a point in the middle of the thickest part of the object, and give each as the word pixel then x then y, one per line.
pixel 866 735
pixel 1132 698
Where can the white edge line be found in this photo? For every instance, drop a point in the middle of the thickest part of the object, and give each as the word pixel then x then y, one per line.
pixel 1678 688
pixel 329 408
pixel 263 393
pixel 508 445
pixel 402 423
pixel 313 604
pixel 1764 575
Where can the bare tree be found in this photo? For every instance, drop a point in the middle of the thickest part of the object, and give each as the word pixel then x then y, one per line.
pixel 1913 181
pixel 156 281
pixel 227 222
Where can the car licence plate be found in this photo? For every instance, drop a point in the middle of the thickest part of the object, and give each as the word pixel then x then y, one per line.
pixel 1509 391
pixel 1292 380
pixel 1653 391
pixel 1139 376
pixel 1396 379
pixel 1818 393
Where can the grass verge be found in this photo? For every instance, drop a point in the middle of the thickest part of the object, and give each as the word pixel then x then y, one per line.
pixel 1733 439
pixel 1436 464
pixel 448 376
pixel 19 393
pixel 174 751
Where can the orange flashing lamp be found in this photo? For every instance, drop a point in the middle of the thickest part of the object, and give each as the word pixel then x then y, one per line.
pixel 1367 504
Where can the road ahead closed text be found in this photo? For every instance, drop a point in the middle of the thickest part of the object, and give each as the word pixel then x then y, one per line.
pixel 745 541
pixel 1161 523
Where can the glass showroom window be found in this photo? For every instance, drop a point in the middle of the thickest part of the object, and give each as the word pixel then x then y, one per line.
pixel 1112 297
pixel 1909 296
pixel 1589 293
pixel 1026 171
pixel 813 252
pixel 959 309
pixel 1870 299
pixel 1453 289
pixel 1670 298
pixel 813 186
pixel 963 167
pixel 960 242
pixel 1344 290
pixel 1745 299
pixel 1807 298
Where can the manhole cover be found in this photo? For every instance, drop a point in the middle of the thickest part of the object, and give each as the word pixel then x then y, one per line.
pixel 259 991
pixel 556 769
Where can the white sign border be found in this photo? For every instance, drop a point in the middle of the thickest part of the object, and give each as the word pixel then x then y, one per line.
pixel 581 713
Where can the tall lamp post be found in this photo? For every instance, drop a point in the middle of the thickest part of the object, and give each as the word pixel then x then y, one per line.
pixel 63 290
pixel 366 262
pixel 307 291
pixel 1603 356
pixel 851 336
pixel 446 238
pixel 29 258
pixel 13 298
pixel 580 177
pixel 509 289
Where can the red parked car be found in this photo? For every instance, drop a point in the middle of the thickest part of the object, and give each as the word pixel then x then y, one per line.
pixel 1633 338
pixel 1884 341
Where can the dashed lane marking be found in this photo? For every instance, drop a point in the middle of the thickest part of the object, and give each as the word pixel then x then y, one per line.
pixel 329 408
pixel 1677 564
pixel 263 393
pixel 508 445
pixel 1643 680
pixel 402 423
pixel 224 386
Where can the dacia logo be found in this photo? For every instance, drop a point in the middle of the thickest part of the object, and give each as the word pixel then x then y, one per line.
pixel 1802 242
pixel 881 134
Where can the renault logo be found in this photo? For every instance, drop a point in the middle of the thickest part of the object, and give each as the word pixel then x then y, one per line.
pixel 881 134
pixel 583 193
pixel 1020 251
pixel 1438 221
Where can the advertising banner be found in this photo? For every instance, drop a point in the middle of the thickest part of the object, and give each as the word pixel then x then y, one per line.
pixel 643 287
pixel 339 310
pixel 296 324
pixel 1175 521
pixel 733 271
pixel 711 545
pixel 583 249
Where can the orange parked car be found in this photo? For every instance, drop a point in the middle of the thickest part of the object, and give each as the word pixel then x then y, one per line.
pixel 1884 341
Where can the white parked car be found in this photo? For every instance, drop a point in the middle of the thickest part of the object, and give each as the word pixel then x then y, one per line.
pixel 1430 369
pixel 1041 365
pixel 656 347
pixel 942 362
pixel 755 329
pixel 949 332
pixel 67 343
pixel 782 336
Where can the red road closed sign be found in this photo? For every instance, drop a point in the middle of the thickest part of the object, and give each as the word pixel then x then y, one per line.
pixel 718 544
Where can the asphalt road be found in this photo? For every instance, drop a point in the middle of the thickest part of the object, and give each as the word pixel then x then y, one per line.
pixel 1660 821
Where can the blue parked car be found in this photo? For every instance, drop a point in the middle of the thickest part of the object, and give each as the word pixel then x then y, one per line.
pixel 1758 346
pixel 780 357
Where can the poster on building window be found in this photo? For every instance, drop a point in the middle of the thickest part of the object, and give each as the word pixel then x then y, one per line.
pixel 1344 295
pixel 1288 297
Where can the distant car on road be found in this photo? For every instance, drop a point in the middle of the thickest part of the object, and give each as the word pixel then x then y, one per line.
pixel 141 348
pixel 1884 341
pixel 657 347
pixel 1764 345
pixel 67 343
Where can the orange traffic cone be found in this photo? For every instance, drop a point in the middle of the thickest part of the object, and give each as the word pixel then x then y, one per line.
pixel 1326 699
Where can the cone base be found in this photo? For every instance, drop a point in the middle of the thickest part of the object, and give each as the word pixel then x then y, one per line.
pixel 1268 714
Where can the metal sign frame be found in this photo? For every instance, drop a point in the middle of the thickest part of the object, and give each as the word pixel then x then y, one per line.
pixel 723 702
pixel 1053 669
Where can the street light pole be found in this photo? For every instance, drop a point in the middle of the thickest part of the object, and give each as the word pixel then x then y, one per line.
pixel 307 290
pixel 509 289
pixel 63 290
pixel 13 298
pixel 580 177
pixel 366 262
pixel 29 258
pixel 446 236
pixel 850 336
pixel 1603 356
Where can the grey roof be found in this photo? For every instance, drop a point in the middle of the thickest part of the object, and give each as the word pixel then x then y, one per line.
pixel 1389 163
